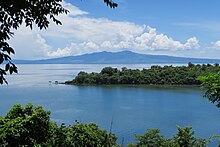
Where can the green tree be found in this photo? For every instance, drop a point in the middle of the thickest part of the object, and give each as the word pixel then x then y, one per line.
pixel 180 75
pixel 211 85
pixel 184 138
pixel 109 71
pixel 25 126
pixel 151 138
pixel 14 13
pixel 90 135
pixel 31 126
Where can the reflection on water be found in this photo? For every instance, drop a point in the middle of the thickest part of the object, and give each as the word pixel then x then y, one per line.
pixel 133 109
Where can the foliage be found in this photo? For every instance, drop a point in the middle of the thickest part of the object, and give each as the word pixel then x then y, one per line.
pixel 90 135
pixel 211 85
pixel 184 138
pixel 167 75
pixel 151 138
pixel 25 126
pixel 31 126
pixel 111 4
pixel 14 13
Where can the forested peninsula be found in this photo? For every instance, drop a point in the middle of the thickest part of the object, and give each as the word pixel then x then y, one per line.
pixel 156 75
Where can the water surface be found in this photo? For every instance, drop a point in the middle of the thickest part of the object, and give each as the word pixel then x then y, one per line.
pixel 133 109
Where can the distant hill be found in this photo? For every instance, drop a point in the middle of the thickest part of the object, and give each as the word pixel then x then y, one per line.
pixel 123 57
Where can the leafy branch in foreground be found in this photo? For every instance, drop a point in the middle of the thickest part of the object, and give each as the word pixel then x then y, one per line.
pixel 211 85
pixel 32 126
pixel 14 13
pixel 111 4
pixel 29 12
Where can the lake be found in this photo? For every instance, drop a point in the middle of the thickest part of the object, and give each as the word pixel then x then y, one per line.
pixel 132 109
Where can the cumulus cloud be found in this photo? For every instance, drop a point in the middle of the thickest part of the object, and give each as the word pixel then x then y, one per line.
pixel 73 49
pixel 216 45
pixel 142 39
pixel 29 44
pixel 73 11
pixel 81 34
pixel 192 43
pixel 42 43
pixel 152 40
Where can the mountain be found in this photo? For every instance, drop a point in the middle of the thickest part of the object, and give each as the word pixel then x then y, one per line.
pixel 123 57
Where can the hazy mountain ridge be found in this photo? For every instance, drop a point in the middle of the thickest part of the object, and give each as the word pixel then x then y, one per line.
pixel 123 57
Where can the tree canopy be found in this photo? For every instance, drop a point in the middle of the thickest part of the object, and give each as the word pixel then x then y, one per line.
pixel 32 126
pixel 29 12
pixel 14 13
pixel 184 138
pixel 211 85
pixel 156 75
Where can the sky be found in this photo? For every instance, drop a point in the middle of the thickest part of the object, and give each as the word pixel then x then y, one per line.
pixel 186 28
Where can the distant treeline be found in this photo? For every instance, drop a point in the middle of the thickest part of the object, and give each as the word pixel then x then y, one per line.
pixel 156 75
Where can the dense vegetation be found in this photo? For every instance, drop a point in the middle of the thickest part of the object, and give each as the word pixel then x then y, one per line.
pixel 31 126
pixel 167 75
pixel 211 85
pixel 184 138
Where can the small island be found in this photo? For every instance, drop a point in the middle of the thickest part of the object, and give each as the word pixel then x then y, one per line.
pixel 156 75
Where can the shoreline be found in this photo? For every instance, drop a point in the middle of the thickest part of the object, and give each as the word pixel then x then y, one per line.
pixel 131 85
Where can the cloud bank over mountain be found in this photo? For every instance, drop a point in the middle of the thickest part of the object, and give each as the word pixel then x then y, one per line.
pixel 81 34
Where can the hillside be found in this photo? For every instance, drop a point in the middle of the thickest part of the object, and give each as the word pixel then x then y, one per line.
pixel 123 57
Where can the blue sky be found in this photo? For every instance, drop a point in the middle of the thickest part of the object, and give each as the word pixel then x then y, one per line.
pixel 179 28
pixel 178 19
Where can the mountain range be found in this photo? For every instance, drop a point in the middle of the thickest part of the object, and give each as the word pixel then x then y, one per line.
pixel 123 57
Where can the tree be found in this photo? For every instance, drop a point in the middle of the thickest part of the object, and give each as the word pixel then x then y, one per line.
pixel 26 126
pixel 111 4
pixel 184 138
pixel 90 135
pixel 14 13
pixel 211 85
pixel 31 126
pixel 179 75
pixel 151 138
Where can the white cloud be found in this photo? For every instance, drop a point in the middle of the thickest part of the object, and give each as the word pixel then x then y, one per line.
pixel 40 41
pixel 59 52
pixel 151 40
pixel 73 11
pixel 192 43
pixel 216 45
pixel 80 34
pixel 73 49
pixel 29 44
pixel 143 39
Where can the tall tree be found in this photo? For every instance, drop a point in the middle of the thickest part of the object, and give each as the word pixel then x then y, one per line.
pixel 14 13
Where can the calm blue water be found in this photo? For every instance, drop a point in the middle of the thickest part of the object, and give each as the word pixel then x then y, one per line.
pixel 132 109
